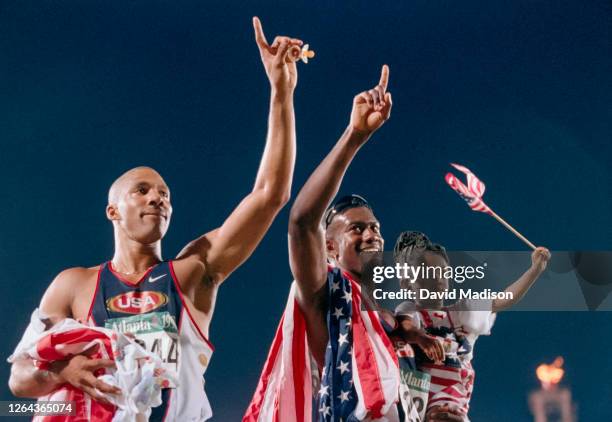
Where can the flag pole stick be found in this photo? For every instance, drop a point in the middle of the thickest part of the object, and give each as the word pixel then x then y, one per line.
pixel 513 230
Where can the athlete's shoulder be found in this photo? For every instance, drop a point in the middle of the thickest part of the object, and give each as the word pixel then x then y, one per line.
pixel 57 302
pixel 76 275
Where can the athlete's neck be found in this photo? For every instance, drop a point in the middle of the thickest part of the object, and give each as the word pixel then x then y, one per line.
pixel 133 257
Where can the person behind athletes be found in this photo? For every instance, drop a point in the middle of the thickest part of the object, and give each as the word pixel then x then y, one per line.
pixel 137 288
pixel 445 336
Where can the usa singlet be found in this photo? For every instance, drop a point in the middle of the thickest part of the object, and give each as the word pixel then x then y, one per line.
pixel 154 311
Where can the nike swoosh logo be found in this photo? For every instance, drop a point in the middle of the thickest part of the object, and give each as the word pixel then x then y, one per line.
pixel 154 279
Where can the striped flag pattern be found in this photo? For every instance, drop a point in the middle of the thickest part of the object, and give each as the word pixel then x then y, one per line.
pixel 450 386
pixel 67 339
pixel 284 391
pixel 138 373
pixel 452 382
pixel 472 193
pixel 360 379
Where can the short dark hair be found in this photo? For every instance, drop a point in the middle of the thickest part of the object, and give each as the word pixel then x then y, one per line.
pixel 342 204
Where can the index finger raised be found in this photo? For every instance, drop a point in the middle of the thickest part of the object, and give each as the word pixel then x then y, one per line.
pixel 260 38
pixel 384 77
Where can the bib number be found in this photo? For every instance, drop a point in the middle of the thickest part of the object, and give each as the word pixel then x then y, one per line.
pixel 414 394
pixel 156 332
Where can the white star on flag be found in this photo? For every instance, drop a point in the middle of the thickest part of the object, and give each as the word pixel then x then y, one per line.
pixel 347 296
pixel 344 396
pixel 343 367
pixel 325 410
pixel 338 313
pixel 343 339
pixel 324 390
pixel 335 286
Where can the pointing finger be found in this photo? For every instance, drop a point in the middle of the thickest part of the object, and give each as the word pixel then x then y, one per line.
pixel 384 77
pixel 260 38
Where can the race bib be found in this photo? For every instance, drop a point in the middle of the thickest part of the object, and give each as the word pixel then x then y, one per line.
pixel 414 393
pixel 156 332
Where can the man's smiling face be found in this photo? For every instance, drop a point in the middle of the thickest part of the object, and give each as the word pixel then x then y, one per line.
pixel 351 236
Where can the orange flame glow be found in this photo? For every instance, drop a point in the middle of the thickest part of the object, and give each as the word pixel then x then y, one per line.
pixel 550 375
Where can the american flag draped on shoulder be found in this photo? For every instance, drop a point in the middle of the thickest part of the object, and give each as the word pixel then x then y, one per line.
pixel 360 380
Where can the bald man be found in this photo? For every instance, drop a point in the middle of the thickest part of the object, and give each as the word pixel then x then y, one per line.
pixel 177 297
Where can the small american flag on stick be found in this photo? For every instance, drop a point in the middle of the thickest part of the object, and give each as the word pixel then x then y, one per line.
pixel 472 194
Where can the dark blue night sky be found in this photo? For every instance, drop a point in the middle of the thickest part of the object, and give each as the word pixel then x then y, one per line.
pixel 519 91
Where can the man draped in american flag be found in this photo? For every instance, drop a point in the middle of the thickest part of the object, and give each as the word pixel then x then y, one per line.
pixel 325 331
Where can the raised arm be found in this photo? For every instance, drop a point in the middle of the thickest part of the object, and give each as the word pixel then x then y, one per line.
pixel 306 237
pixel 539 258
pixel 221 251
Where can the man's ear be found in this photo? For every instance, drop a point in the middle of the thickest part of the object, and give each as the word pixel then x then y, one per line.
pixel 112 212
pixel 331 247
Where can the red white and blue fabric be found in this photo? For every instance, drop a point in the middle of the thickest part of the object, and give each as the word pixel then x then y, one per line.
pixel 138 373
pixel 61 345
pixel 472 193
pixel 453 382
pixel 360 379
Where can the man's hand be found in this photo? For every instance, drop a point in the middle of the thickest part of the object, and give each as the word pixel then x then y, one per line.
pixel 444 413
pixel 372 108
pixel 281 71
pixel 79 372
pixel 539 259
pixel 431 347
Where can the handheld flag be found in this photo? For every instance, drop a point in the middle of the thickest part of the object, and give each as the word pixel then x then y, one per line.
pixel 472 194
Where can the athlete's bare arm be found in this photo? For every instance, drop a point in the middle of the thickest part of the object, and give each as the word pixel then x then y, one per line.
pixel 412 334
pixel 539 259
pixel 68 296
pixel 215 255
pixel 307 254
